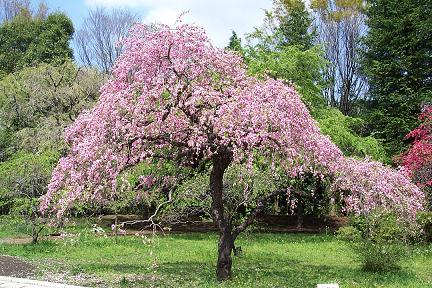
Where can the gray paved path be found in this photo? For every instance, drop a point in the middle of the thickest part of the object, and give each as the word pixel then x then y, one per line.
pixel 12 282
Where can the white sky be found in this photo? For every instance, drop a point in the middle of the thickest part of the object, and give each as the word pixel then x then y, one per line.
pixel 218 17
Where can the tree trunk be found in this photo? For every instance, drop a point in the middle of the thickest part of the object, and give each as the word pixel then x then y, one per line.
pixel 300 213
pixel 226 241
pixel 35 231
pixel 224 262
pixel 276 205
pixel 115 227
pixel 35 234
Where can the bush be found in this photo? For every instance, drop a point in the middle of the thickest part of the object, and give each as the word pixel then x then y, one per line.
pixel 349 234
pixel 378 240
pixel 379 257
pixel 375 256
pixel 425 221
pixel 380 226
pixel 5 203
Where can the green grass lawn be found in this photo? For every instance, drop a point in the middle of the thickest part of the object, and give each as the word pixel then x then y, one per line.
pixel 188 260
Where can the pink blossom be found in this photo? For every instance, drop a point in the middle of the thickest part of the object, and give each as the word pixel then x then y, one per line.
pixel 175 96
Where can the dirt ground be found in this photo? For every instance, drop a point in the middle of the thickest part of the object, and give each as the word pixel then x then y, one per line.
pixel 15 267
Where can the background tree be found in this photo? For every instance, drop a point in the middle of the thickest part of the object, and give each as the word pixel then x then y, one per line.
pixel 267 54
pixel 340 26
pixel 55 31
pixel 36 104
pixel 299 67
pixel 9 9
pixel 45 94
pixel 23 179
pixel 235 43
pixel 288 23
pixel 294 23
pixel 98 40
pixel 26 41
pixel 342 130
pixel 283 49
pixel 398 65
pixel 12 8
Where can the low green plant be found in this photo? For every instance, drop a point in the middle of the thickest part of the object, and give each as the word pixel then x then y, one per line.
pixel 424 219
pixel 378 240
pixel 380 257
pixel 23 179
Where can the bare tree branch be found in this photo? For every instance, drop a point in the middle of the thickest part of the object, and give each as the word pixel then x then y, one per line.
pixel 340 29
pixel 97 40
pixel 260 204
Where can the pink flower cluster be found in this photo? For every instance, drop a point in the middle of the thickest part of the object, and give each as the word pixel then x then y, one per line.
pixel 417 161
pixel 174 96
pixel 374 186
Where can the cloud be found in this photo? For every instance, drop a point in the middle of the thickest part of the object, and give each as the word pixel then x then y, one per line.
pixel 114 3
pixel 219 18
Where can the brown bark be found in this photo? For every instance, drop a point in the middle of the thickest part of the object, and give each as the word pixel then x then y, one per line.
pixel 35 234
pixel 224 262
pixel 35 229
pixel 221 161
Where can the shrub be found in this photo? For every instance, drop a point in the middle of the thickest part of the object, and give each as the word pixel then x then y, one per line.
pixel 378 240
pixel 424 219
pixel 379 257
pixel 349 234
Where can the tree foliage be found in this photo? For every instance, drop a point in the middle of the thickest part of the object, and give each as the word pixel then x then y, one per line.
pixel 417 160
pixel 23 180
pixel 234 43
pixel 37 103
pixel 304 69
pixel 9 9
pixel 290 24
pixel 26 41
pixel 301 68
pixel 342 130
pixel 398 65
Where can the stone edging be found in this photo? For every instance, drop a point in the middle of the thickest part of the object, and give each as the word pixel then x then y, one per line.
pixel 32 283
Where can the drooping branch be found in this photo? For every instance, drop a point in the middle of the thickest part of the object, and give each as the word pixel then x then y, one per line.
pixel 151 219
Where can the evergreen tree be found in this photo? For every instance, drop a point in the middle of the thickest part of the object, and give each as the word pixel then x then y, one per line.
pixel 294 23
pixel 235 43
pixel 398 63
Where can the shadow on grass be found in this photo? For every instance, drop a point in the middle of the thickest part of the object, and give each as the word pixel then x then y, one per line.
pixel 288 273
pixel 306 275
pixel 43 247
pixel 260 237
pixel 266 268
pixel 286 238
pixel 169 274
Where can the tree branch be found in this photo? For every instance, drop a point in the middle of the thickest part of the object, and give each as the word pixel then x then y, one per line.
pixel 258 209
